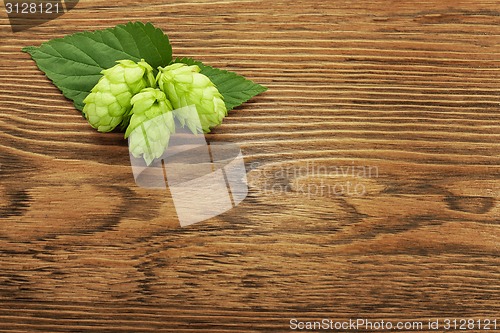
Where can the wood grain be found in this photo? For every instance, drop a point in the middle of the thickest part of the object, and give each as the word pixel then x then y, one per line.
pixel 409 89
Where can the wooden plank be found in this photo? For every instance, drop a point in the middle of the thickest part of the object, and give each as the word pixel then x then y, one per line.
pixel 373 165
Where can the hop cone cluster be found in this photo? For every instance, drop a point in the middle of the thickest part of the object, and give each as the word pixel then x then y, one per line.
pixel 184 85
pixel 151 124
pixel 126 95
pixel 108 103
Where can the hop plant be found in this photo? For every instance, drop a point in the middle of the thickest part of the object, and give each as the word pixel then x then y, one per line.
pixel 184 85
pixel 151 124
pixel 109 102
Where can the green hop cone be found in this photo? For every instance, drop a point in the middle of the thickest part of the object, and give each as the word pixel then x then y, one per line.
pixel 184 86
pixel 151 124
pixel 108 104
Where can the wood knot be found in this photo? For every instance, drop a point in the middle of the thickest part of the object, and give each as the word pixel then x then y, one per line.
pixel 468 204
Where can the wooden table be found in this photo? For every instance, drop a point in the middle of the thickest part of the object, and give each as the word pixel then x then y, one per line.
pixel 408 90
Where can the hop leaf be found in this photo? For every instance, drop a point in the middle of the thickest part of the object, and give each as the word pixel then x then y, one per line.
pixel 151 124
pixel 109 102
pixel 185 86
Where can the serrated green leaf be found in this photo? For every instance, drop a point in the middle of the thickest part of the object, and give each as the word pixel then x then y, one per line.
pixel 74 63
pixel 235 88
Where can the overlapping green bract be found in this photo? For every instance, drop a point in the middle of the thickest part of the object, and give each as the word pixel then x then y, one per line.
pixel 108 104
pixel 151 124
pixel 185 86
